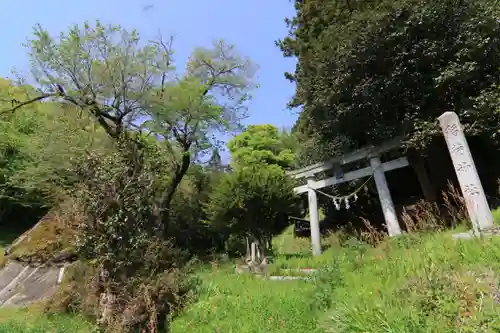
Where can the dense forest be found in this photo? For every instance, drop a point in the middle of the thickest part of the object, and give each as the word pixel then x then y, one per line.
pixel 126 150
pixel 372 71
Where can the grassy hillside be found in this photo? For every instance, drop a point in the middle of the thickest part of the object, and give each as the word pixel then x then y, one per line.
pixel 418 284
pixel 412 284
pixel 32 320
pixel 231 303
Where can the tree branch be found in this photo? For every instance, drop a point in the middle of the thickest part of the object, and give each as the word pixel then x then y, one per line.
pixel 28 102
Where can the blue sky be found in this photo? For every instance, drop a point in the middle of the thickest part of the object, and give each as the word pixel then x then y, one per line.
pixel 252 26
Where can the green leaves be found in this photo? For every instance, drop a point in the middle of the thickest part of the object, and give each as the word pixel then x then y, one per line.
pixel 119 80
pixel 369 71
pixel 261 145
pixel 252 201
pixel 103 66
pixel 109 72
pixel 256 199
pixel 210 98
pixel 39 148
pixel 121 131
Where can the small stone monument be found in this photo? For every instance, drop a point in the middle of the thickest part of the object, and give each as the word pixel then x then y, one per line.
pixel 255 260
pixel 470 184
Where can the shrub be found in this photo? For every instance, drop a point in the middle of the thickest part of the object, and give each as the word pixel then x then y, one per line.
pixel 134 279
pixel 252 202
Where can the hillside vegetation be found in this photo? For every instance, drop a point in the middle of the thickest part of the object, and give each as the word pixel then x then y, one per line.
pixel 115 154
pixel 415 283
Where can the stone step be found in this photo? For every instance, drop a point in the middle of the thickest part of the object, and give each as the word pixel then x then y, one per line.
pixel 303 270
pixel 287 278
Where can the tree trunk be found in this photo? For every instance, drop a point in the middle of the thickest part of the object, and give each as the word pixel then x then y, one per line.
pixel 248 254
pixel 107 299
pixel 418 165
pixel 169 192
pixel 107 306
pixel 269 243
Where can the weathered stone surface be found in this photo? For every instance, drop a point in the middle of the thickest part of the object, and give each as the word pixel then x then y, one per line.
pixel 22 284
pixel 493 231
pixel 464 235
pixel 287 278
pixel 468 178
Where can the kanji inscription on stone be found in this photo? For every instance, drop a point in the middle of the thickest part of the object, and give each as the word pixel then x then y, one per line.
pixel 457 148
pixel 463 167
pixel 470 184
pixel 471 189
pixel 451 129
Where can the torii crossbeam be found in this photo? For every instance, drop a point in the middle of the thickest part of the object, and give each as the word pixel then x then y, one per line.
pixel 376 168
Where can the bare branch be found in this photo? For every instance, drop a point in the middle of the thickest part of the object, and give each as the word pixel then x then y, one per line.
pixel 167 48
pixel 17 104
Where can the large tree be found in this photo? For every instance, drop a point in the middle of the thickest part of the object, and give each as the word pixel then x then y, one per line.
pixel 255 199
pixel 119 80
pixel 159 121
pixel 371 70
pixel 252 202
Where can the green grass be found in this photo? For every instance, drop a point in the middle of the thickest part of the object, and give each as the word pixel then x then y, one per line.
pixel 416 283
pixel 412 284
pixel 32 320
pixel 496 215
pixel 288 243
pixel 242 303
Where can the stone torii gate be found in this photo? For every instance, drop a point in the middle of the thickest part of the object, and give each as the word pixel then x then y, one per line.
pixel 376 168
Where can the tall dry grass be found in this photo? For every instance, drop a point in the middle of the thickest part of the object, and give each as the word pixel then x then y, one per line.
pixel 427 216
pixel 424 216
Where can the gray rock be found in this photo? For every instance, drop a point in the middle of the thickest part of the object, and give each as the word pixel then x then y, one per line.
pixel 464 235
pixel 22 284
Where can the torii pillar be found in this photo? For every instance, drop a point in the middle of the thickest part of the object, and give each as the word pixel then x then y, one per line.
pixel 314 219
pixel 390 216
